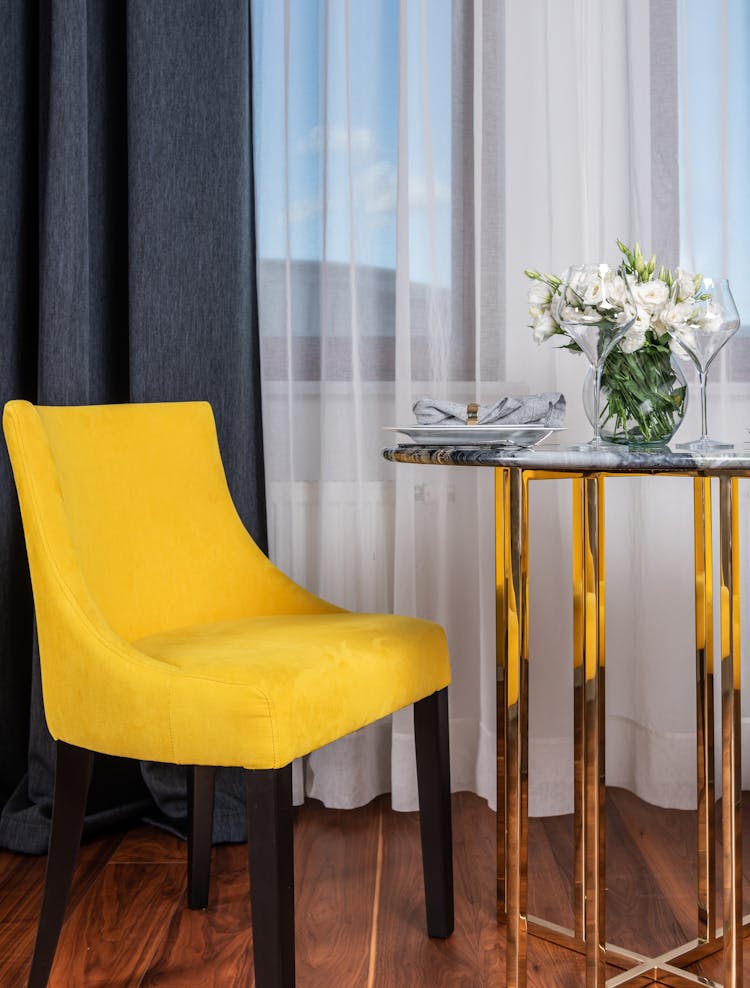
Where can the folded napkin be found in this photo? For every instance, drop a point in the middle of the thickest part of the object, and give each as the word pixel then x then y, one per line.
pixel 543 409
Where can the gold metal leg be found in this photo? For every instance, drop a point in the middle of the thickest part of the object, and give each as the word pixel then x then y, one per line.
pixel 594 792
pixel 731 779
pixel 501 484
pixel 579 777
pixel 704 669
pixel 588 937
pixel 517 698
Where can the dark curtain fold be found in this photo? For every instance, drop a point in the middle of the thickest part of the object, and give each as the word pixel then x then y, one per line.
pixel 127 273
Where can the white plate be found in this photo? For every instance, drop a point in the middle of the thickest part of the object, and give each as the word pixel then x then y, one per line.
pixel 476 435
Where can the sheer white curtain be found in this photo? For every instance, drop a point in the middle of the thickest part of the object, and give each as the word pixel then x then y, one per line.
pixel 591 99
pixel 630 120
pixel 412 159
pixel 354 163
pixel 714 101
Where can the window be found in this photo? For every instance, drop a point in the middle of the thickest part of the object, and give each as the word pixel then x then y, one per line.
pixel 714 84
pixel 326 84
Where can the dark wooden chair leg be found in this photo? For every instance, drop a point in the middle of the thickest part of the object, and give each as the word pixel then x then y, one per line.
pixel 270 844
pixel 72 778
pixel 200 800
pixel 434 783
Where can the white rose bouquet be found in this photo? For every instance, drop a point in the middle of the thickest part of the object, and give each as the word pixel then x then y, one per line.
pixel 644 395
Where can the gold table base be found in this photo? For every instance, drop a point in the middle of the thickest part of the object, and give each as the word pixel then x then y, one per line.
pixel 588 937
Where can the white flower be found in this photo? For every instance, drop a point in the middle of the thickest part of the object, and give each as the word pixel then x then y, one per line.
pixel 711 319
pixel 544 326
pixel 684 284
pixel 676 314
pixel 539 294
pixel 585 288
pixel 684 333
pixel 641 323
pixel 650 295
pixel 678 350
pixel 578 282
pixel 593 292
pixel 642 319
pixel 617 289
pixel 590 315
pixel 658 325
pixel 633 340
pixel 624 315
pixel 569 313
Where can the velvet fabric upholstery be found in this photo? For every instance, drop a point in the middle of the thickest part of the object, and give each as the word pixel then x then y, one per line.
pixel 164 631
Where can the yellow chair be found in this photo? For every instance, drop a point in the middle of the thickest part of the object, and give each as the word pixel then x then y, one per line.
pixel 165 634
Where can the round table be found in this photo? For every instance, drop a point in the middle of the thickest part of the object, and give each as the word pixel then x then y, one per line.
pixel 587 469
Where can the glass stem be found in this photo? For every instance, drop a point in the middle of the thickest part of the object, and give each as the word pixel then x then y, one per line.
pixel 597 389
pixel 704 415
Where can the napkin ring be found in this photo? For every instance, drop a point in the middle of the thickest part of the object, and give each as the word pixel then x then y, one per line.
pixel 472 413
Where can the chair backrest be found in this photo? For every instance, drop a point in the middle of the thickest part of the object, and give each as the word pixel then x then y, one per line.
pixel 127 512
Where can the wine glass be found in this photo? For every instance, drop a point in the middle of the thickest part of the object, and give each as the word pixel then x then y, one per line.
pixel 701 317
pixel 595 308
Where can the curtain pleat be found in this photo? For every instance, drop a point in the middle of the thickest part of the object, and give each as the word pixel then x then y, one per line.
pixel 565 120
pixel 355 206
pixel 128 274
pixel 18 308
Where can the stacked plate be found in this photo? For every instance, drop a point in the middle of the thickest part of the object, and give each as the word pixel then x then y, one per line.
pixel 475 435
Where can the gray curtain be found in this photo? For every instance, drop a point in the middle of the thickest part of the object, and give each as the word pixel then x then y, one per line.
pixel 127 273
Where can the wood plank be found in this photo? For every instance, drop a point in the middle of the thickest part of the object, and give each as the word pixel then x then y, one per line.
pixel 335 873
pixel 114 934
pixel 550 881
pixel 21 899
pixel 22 882
pixel 638 916
pixel 405 955
pixel 7 864
pixel 129 924
pixel 144 844
pixel 336 870
pixel 712 967
pixel 209 948
pixel 16 947
pixel 666 841
pixel 21 887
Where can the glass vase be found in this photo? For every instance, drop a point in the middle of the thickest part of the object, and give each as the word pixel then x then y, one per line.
pixel 643 397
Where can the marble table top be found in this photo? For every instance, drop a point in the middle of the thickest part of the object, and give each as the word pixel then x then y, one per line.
pixel 557 458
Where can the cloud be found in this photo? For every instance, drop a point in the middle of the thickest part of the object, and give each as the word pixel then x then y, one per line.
pixel 421 196
pixel 374 195
pixel 361 140
pixel 375 180
pixel 302 210
pixel 375 187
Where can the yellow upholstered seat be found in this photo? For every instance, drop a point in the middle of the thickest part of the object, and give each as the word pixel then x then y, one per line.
pixel 164 632
pixel 277 700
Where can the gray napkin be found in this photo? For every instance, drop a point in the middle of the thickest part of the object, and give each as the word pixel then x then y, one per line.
pixel 543 409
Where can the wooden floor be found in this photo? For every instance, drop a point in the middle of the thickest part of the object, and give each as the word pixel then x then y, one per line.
pixel 359 903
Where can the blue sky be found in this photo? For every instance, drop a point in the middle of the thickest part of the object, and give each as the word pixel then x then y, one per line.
pixel 360 172
pixel 360 169
pixel 715 135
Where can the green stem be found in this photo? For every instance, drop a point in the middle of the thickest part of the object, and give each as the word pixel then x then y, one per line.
pixel 641 389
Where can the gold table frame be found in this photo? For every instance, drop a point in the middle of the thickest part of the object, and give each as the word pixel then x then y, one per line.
pixel 512 565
